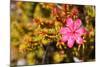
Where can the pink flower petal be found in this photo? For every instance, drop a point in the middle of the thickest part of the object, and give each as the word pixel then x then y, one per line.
pixel 71 41
pixel 70 23
pixel 81 31
pixel 64 31
pixel 79 40
pixel 77 24
pixel 64 38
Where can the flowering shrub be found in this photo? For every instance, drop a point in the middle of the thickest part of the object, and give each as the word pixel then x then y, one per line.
pixel 50 33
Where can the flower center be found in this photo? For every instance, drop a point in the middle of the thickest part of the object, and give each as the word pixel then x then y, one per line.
pixel 73 31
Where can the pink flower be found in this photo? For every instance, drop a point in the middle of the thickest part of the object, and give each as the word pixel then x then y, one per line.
pixel 72 32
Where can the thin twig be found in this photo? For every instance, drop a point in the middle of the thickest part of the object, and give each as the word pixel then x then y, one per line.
pixel 44 56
